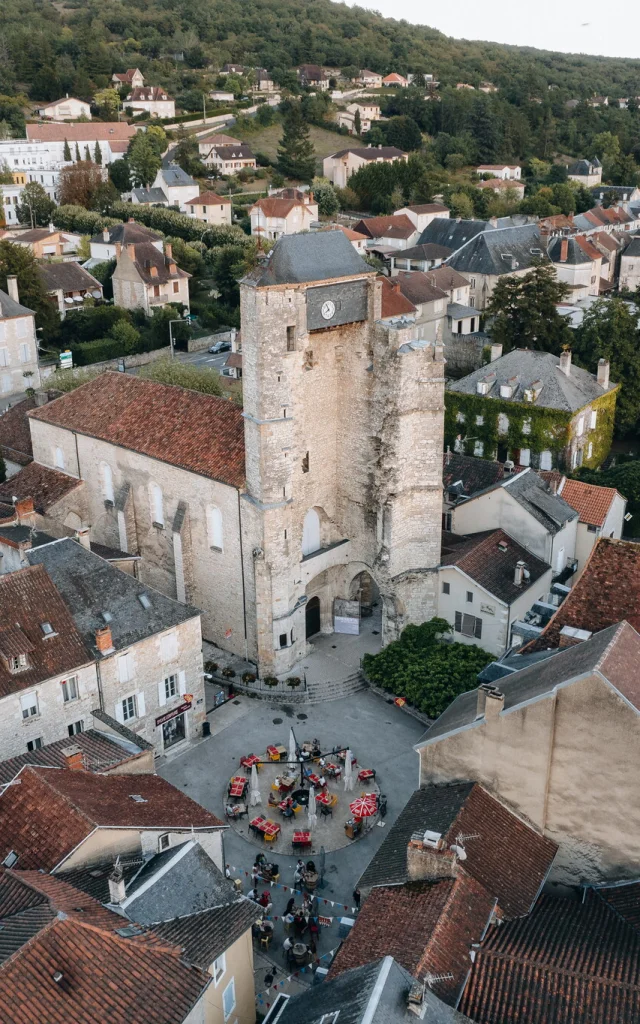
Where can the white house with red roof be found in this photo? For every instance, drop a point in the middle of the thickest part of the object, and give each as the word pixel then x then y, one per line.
pixel 396 80
pixel 133 77
pixel 210 208
pixel 512 172
pixel 276 216
pixel 601 512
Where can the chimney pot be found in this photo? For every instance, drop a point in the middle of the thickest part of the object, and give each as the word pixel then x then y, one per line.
pixel 496 351
pixel 603 373
pixel 131 251
pixel 84 535
pixel 12 288
pixel 73 758
pixel 118 251
pixel 518 575
pixel 105 234
pixel 131 220
pixel 168 250
pixel 104 641
pixel 153 271
pixel 565 362
pixel 117 890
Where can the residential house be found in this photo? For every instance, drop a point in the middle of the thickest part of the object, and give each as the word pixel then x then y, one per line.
pixel 48 684
pixel 18 343
pixel 487 87
pixel 347 119
pixel 133 78
pixel 394 305
pixel 230 159
pixel 233 69
pixel 207 142
pixel 103 246
pixel 147 279
pixel 233 365
pixel 358 240
pixel 492 254
pixel 625 195
pixel 630 266
pixel 577 263
pixel 149 197
pixel 507 172
pixel 69 285
pixel 601 512
pixel 585 172
pixel 135 476
pixel 441 300
pixel 430 302
pixel 78 819
pixel 155 100
pixel 578 431
pixel 535 737
pixel 29 161
pixel 524 970
pixel 220 96
pixel 45 242
pixel 370 79
pixel 380 992
pixel 610 248
pixel 113 138
pixel 422 214
pixel 463 476
pixel 339 167
pixel 311 76
pixel 210 208
pixel 367 111
pixel 613 218
pixel 178 186
pixel 507 188
pixel 598 101
pixel 487 582
pixel 276 216
pixel 72 956
pixel 396 231
pixel 15 437
pixel 68 109
pixel 105 748
pixel 452 233
pixel 10 197
pixel 395 80
pixel 526 508
pixel 422 257
pixel 264 81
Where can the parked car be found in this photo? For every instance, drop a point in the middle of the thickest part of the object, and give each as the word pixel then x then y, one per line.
pixel 220 346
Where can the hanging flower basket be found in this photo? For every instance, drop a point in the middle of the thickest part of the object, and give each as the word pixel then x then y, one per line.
pixel 228 672
pixel 248 677
pixel 293 681
pixel 270 681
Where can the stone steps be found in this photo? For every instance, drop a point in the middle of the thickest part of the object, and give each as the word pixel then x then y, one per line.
pixel 332 689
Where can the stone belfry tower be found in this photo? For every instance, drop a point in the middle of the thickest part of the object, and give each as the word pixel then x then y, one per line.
pixel 343 437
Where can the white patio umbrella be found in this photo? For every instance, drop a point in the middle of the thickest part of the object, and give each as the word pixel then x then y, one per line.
pixel 348 772
pixel 293 758
pixel 311 808
pixel 255 797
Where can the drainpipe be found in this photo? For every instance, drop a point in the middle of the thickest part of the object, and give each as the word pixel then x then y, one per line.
pixel 244 595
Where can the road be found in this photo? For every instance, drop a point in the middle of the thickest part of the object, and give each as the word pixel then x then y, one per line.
pixel 203 359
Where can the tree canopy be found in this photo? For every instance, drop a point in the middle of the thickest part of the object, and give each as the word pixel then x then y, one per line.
pixel 522 312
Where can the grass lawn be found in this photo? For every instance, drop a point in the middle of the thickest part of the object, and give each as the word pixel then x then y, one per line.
pixel 266 140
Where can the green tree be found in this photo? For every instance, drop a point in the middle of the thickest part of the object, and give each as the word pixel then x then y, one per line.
pixel 184 375
pixel 609 330
pixel 97 153
pixel 87 154
pixel 606 145
pixel 325 196
pixel 402 132
pixel 157 137
pixel 126 335
pixel 119 175
pixel 77 152
pixel 66 152
pixel 461 206
pixel 357 123
pixel 144 162
pixel 107 102
pixel 20 262
pixel 296 155
pixel 522 311
pixel 35 207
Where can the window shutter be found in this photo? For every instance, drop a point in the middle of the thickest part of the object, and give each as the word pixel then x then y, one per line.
pixel 458 622
pixel 478 629
pixel 119 714
pixel 182 682
pixel 141 707
pixel 162 694
pixel 123 668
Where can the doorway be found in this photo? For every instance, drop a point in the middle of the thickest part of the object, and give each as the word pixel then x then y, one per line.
pixel 312 617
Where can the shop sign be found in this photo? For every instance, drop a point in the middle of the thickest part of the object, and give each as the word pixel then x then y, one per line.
pixel 181 708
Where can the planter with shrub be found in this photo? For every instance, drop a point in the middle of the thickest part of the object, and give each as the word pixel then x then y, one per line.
pixel 270 681
pixel 228 672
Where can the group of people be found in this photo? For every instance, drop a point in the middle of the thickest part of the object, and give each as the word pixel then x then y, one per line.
pixel 306 874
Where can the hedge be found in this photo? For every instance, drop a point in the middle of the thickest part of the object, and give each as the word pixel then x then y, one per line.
pixel 97 351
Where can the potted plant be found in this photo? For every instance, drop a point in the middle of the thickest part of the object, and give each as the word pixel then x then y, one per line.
pixel 293 681
pixel 228 672
pixel 270 681
pixel 248 677
pixel 210 667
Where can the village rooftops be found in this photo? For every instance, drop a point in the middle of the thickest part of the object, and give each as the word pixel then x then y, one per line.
pixel 9 308
pixel 490 559
pixel 419 288
pixel 128 232
pixel 80 132
pixel 426 251
pixel 536 497
pixel 152 265
pixel 15 438
pixel 584 167
pixel 209 199
pixel 173 175
pixel 54 810
pixel 468 475
pixel 278 207
pixel 150 195
pixel 67 277
pixel 499 251
pixel 372 153
pixel 147 93
pixel 91 587
pixel 633 248
pixel 613 653
pixel 45 486
pixel 452 233
pixel 592 503
pixel 99 753
pixel 523 368
pixel 428 208
pixel 200 433
pixel 396 226
pixel 298 259
pixel 394 303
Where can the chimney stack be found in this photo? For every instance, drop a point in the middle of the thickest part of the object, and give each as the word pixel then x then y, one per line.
pixel 518 575
pixel 495 703
pixel 429 857
pixel 131 251
pixel 118 251
pixel 12 288
pixel 168 250
pixel 496 351
pixel 25 511
pixel 83 534
pixel 105 234
pixel 73 758
pixel 565 362
pixel 104 641
pixel 603 373
pixel 117 889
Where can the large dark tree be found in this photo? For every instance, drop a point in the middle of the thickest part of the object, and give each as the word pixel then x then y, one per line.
pixel 20 262
pixel 609 330
pixel 296 155
pixel 522 311
pixel 35 207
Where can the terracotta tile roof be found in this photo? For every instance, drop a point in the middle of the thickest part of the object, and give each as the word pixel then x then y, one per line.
pixel 275 207
pixel 398 226
pixel 66 806
pixel 46 486
pixel 447 278
pixel 418 287
pixel 490 558
pixel 200 433
pixel 426 927
pixel 234 360
pixel 394 303
pixel 106 978
pixel 66 898
pixel 606 240
pixel 209 199
pixel 394 77
pixel 623 898
pixel 89 131
pixel 588 248
pixel 353 236
pixel 607 592
pixel 28 598
pixel 15 435
pixel 100 754
pixel 567 961
pixel 216 139
pixel 592 503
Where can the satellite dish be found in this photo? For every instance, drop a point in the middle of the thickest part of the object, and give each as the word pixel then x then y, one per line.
pixel 459 851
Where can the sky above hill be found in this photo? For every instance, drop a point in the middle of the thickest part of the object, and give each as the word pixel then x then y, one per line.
pixel 572 26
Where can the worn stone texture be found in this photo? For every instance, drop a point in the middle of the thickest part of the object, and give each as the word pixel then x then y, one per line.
pixel 54 715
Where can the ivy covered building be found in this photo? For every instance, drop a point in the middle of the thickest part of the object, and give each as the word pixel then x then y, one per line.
pixel 534 408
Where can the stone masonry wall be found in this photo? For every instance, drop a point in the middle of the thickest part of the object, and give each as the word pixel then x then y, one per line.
pixel 54 716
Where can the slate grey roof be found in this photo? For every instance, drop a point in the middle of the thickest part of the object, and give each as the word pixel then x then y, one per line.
pixel 173 175
pixel 459 312
pixel 633 248
pixel 510 663
pixel 558 392
pixel 500 251
pixel 535 495
pixel 435 808
pixel 94 880
pixel 241 152
pixel 473 474
pixel 528 684
pixel 428 251
pixel 375 993
pixel 583 167
pixel 296 259
pixel 90 586
pixel 67 276
pixel 150 195
pixel 129 231
pixel 205 936
pixel 101 753
pixel 10 308
pixel 567 250
pixel 452 233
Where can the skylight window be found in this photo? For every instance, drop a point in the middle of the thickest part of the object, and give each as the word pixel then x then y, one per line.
pixel 107 616
pixel 47 628
pixel 144 600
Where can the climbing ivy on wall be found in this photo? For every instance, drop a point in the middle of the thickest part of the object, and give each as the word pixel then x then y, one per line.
pixel 602 436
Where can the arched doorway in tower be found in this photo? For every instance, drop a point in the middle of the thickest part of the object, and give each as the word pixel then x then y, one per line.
pixel 312 617
pixel 363 588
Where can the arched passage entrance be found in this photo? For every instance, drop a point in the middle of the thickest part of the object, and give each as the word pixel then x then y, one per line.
pixel 363 588
pixel 312 617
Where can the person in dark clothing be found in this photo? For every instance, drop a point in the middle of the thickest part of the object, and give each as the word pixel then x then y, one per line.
pixel 356 898
pixel 290 905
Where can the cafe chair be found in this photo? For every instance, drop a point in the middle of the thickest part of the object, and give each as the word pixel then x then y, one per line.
pixel 325 811
pixel 270 839
pixel 265 941
pixel 297 808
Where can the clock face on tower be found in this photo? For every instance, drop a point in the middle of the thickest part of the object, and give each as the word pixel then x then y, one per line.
pixel 328 309
pixel 329 306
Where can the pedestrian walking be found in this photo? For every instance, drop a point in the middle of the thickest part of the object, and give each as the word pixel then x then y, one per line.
pixel 290 905
pixel 356 898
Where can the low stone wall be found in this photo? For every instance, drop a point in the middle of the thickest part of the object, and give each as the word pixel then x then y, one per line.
pixel 140 359
pixel 463 353
pixel 281 692
pixel 421 717
pixel 202 344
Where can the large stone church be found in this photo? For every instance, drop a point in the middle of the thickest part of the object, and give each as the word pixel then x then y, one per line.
pixel 323 492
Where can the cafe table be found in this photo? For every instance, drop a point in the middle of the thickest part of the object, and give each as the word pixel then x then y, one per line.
pixel 237 785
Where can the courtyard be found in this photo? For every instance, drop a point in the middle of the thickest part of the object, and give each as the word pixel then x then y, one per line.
pixel 381 737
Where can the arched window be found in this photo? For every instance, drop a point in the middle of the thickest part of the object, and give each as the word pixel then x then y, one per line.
pixel 157 511
pixel 214 527
pixel 311 533
pixel 58 458
pixel 107 482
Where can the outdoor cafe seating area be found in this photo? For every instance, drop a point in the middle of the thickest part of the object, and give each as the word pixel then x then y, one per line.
pixel 303 796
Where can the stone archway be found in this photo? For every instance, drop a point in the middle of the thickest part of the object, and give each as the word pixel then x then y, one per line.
pixel 363 588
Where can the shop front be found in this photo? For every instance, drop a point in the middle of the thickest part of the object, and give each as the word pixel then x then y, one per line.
pixel 174 725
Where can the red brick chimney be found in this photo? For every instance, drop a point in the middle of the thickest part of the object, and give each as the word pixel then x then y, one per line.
pixel 131 251
pixel 74 758
pixel 104 642
pixel 25 511
pixel 118 251
pixel 168 250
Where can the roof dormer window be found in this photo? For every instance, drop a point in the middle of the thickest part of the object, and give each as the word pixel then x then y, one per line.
pixel 18 663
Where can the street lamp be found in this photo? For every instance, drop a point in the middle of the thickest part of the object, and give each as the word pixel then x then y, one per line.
pixel 181 320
